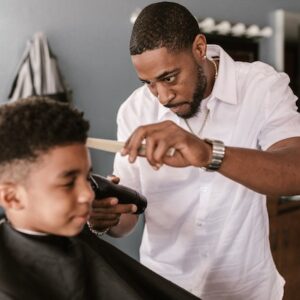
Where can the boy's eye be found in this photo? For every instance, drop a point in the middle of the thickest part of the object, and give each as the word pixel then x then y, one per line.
pixel 69 184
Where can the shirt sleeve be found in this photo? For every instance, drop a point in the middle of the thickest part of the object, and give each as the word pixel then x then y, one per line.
pixel 127 122
pixel 281 120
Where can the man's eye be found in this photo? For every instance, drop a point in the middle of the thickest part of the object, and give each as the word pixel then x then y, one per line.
pixel 170 79
pixel 145 82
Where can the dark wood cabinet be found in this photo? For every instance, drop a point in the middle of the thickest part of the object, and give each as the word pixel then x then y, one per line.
pixel 285 242
pixel 239 48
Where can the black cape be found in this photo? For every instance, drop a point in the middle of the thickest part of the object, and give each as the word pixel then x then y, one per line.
pixel 78 268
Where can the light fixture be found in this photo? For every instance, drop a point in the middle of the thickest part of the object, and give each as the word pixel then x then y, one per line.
pixel 134 15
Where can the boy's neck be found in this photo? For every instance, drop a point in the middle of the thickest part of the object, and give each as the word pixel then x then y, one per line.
pixel 25 230
pixel 30 232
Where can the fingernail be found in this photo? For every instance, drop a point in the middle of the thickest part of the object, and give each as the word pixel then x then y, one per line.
pixel 131 159
pixel 157 167
pixel 123 151
pixel 114 201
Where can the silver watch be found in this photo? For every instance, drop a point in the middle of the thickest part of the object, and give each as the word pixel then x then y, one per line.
pixel 218 153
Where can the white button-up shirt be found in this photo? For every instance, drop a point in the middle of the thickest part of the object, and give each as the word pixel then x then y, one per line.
pixel 203 231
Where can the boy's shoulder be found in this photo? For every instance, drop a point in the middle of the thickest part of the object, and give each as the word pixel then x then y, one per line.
pixel 37 265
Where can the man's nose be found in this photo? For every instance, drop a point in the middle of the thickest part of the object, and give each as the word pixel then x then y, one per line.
pixel 164 94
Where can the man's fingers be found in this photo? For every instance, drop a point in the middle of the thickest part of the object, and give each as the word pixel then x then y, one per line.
pixel 103 224
pixel 150 147
pixel 103 216
pixel 111 205
pixel 113 178
pixel 133 144
pixel 105 202
pixel 159 139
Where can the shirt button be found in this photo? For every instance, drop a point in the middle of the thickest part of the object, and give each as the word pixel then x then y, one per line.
pixel 200 223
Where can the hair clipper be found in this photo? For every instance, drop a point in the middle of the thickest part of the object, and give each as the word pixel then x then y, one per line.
pixel 104 188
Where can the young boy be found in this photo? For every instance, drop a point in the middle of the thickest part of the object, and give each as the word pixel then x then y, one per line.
pixel 46 251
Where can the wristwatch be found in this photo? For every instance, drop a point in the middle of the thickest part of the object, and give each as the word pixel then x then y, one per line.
pixel 218 153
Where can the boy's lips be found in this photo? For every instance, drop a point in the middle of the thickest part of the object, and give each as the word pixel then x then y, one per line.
pixel 83 217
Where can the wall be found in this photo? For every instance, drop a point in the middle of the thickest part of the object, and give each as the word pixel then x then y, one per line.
pixel 90 38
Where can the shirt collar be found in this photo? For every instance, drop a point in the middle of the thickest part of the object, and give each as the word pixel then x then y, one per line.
pixel 224 88
pixel 23 230
pixel 30 232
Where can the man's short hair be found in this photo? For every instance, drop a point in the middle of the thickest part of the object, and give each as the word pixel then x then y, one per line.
pixel 163 24
pixel 30 127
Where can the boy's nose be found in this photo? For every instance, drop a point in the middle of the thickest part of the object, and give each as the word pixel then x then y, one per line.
pixel 87 194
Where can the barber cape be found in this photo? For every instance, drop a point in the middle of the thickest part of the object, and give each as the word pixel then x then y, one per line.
pixel 78 268
pixel 38 73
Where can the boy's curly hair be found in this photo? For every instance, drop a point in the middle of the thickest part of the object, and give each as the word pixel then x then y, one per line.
pixel 32 126
pixel 163 24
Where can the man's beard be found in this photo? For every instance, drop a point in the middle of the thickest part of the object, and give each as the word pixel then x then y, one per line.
pixel 197 96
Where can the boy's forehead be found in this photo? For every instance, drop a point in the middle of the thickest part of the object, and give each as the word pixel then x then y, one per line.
pixel 57 162
pixel 64 160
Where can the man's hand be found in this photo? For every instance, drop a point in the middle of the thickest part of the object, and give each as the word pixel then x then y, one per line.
pixel 159 138
pixel 106 212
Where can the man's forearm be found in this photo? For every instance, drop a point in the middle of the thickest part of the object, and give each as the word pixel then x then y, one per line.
pixel 272 172
pixel 125 226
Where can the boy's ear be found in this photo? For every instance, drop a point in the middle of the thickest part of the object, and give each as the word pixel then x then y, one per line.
pixel 10 196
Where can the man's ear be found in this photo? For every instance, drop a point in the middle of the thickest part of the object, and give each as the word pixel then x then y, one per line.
pixel 199 48
pixel 10 196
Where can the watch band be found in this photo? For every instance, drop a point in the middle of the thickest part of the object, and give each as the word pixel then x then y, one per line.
pixel 218 153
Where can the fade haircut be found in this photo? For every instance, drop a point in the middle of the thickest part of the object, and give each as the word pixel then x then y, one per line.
pixel 163 24
pixel 30 127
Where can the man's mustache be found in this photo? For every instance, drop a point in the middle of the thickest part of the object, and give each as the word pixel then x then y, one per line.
pixel 170 105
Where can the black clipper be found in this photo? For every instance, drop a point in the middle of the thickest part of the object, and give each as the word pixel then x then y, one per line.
pixel 104 188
